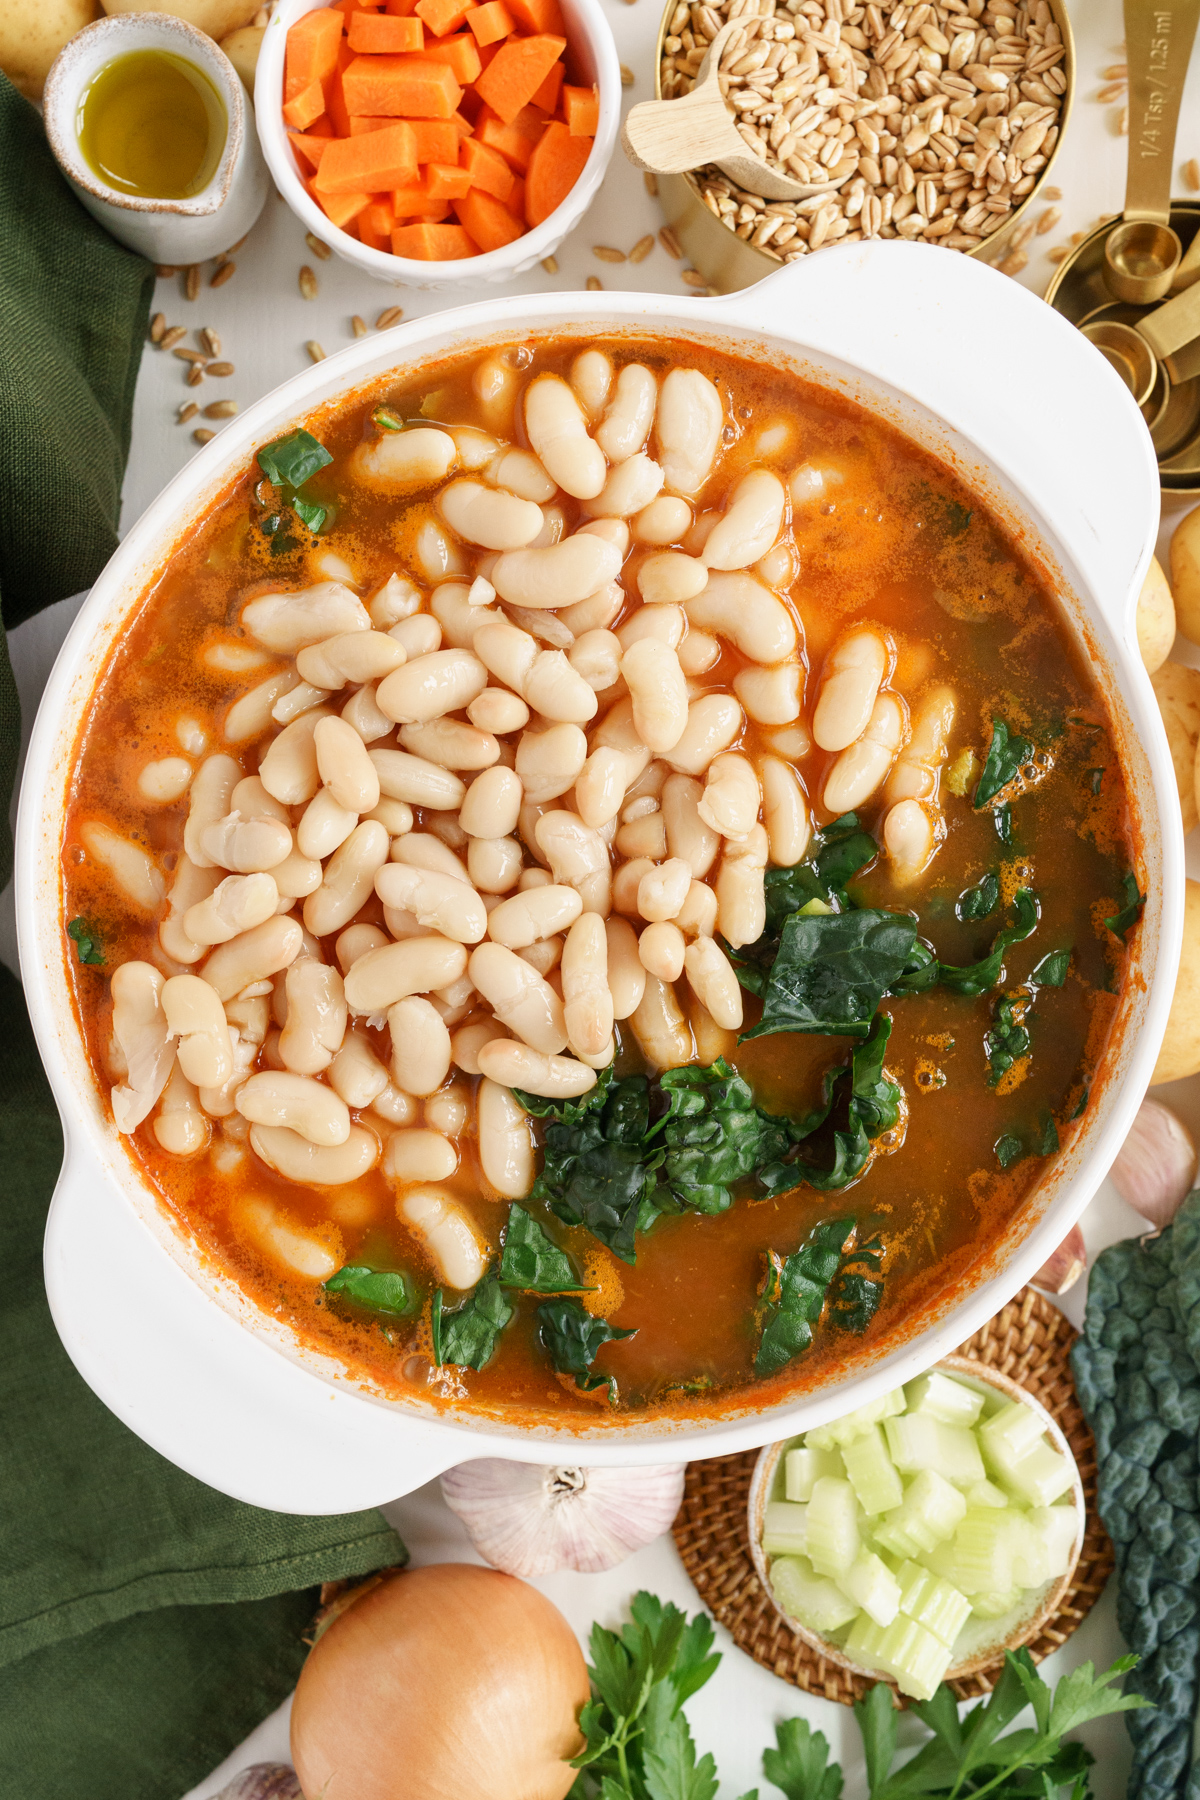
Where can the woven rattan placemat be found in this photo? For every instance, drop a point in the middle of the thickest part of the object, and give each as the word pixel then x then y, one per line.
pixel 1029 1340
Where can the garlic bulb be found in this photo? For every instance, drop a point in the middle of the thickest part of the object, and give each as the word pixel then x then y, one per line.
pixel 1062 1270
pixel 528 1520
pixel 264 1781
pixel 1156 1165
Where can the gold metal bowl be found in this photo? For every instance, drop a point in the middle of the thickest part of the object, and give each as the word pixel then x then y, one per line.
pixel 727 262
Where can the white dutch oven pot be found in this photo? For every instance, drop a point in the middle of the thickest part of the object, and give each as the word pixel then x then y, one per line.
pixel 969 365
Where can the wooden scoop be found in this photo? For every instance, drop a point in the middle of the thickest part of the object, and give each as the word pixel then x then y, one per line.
pixel 673 136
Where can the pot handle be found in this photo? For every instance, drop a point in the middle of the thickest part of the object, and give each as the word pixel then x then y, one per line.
pixel 1001 368
pixel 202 1389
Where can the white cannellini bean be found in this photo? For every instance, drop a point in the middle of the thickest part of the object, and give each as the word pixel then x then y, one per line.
pixel 498 711
pixel 165 780
pixel 662 890
pixel 361 712
pixel 253 956
pixel 355 941
pixel 785 812
pixel 419 965
pixel 419 1155
pixel 251 799
pixel 911 832
pixel 770 696
pixel 141 1030
pixel 489 516
pixel 304 1250
pixel 629 489
pixel 397 598
pixel 348 879
pixel 297 701
pixel 435 552
pixel 351 656
pixel 417 782
pixel 672 577
pixel 306 1106
pixel 429 686
pixel 625 974
pixel 665 521
pixel 538 913
pixel 741 608
pixel 289 768
pixel 233 658
pixel 660 950
pixel 578 856
pixel 596 656
pixel 712 980
pixel 323 826
pixel 180 1126
pixel 626 882
pixel 475 448
pixel 689 836
pixel 247 846
pixel 468 1040
pixel 658 689
pixel 450 744
pixel 514 1065
pixel 629 414
pixel 643 836
pixel 356 1073
pixel 506 1149
pixel 250 716
pixel 448 1232
pixel 915 775
pixel 448 1110
pixel 548 762
pixel 558 433
pixel 779 567
pixel 218 1102
pixel 599 610
pixel 190 886
pixel 601 784
pixel 421 635
pixel 689 425
pixel 663 1034
pixel 697 917
pixel 522 473
pixel 731 795
pixel 316 1017
pixel 395 1106
pixel 193 739
pixel 345 766
pixel 861 768
pixel 422 850
pixel 238 904
pixel 741 902
pixel 492 804
pixel 587 1002
pixel 212 788
pixel 713 722
pixel 420 1045
pixel 456 616
pixel 296 876
pixel 519 997
pixel 547 627
pixel 592 379
pixel 285 623
pixel 750 523
pixel 665 623
pixel 439 902
pixel 132 868
pixel 494 865
pixel 315 1165
pixel 544 678
pixel 395 816
pixel 556 575
pixel 853 675
pixel 405 459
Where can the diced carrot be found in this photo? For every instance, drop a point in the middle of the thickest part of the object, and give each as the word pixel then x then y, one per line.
pixel 377 160
pixel 517 71
pixel 513 145
pixel 532 120
pixel 516 201
pixel 489 223
pixel 379 218
pixel 401 9
pixel 433 243
pixel 487 169
pixel 341 208
pixel 377 31
pixel 311 148
pixel 335 97
pixel 490 22
pixel 445 181
pixel 547 95
pixel 554 168
pixel 410 203
pixel 408 87
pixel 442 16
pixel 311 52
pixel 486 53
pixel 464 129
pixel 306 107
pixel 460 53
pixel 581 107
pixel 536 16
pixel 363 122
pixel 323 128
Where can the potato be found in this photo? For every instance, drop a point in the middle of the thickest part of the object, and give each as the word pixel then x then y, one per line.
pixel 1180 1052
pixel 1185 574
pixel 1155 615
pixel 32 32
pixel 216 17
pixel 1177 689
pixel 242 47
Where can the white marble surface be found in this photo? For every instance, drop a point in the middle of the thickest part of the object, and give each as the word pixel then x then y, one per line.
pixel 264 324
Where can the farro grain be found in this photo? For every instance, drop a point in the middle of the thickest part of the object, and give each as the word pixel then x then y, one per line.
pixel 358 326
pixel 219 369
pixel 606 253
pixel 158 326
pixel 221 409
pixel 391 315
pixel 642 248
pixel 1191 174
pixel 314 350
pixel 187 411
pixel 594 284
pixel 202 435
pixel 210 343
pixel 222 273
pixel 171 336
pixel 191 282
pixel 317 247
pixel 307 282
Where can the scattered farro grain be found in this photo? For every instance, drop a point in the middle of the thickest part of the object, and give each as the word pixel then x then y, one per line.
pixel 693 278
pixel 594 284
pixel 314 350
pixel 158 326
pixel 191 282
pixel 627 76
pixel 186 355
pixel 391 315
pixel 1191 174
pixel 195 375
pixel 1049 220
pixel 317 247
pixel 1022 234
pixel 222 274
pixel 162 270
pixel 171 336
pixel 308 283
pixel 550 264
pixel 651 182
pixel 1052 193
pixel 202 435
pixel 209 341
pixel 1123 126
pixel 606 253
pixel 358 326
pixel 221 409
pixel 219 369
pixel 670 243
pixel 642 248
pixel 1014 262
pixel 1118 72
pixel 1113 92
pixel 1059 253
pixel 187 411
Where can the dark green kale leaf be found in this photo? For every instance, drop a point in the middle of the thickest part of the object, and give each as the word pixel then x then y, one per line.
pixel 1006 755
pixel 532 1261
pixel 1047 1139
pixel 1008 1040
pixel 857 1288
pixel 309 513
pixel 1002 819
pixel 832 970
pixel 467 1336
pixel 714 1135
pixel 572 1336
pixel 1121 922
pixel 794 1297
pixel 836 853
pixel 1052 970
pixel 86 937
pixel 977 978
pixel 1009 1149
pixel 978 901
pixel 595 1168
pixel 291 460
pixel 378 1290
pixel 873 1107
pixel 920 971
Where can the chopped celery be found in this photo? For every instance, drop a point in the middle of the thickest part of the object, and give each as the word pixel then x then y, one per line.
pixel 1041 1476
pixel 994 1606
pixel 784 1530
pixel 818 1604
pixel 986 1493
pixel 919 1441
pixel 1030 1552
pixel 873 1474
pixel 953 1402
pixel 804 1466
pixel 1009 1433
pixel 833 1541
pixel 932 1602
pixel 905 1650
pixel 928 1514
pixel 1058 1527
pixel 872 1586
pixel 980 1560
pixel 854 1424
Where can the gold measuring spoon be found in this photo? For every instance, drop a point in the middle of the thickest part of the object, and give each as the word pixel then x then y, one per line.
pixel 1142 254
pixel 1126 351
pixel 673 136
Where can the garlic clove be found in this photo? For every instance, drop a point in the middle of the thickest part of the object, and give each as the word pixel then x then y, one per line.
pixel 1062 1270
pixel 528 1520
pixel 1156 1165
pixel 264 1781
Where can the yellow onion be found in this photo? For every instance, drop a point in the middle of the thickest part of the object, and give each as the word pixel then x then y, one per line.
pixel 445 1683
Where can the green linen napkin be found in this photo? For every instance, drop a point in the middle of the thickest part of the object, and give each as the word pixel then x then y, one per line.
pixel 146 1622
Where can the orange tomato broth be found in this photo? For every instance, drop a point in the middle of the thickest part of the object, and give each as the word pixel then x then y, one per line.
pixel 899 541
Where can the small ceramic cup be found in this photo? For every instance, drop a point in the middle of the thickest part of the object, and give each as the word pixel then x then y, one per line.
pixel 167 231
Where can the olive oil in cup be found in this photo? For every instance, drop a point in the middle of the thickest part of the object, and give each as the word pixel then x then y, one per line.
pixel 152 124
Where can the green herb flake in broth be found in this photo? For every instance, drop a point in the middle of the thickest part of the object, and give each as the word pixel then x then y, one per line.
pixel 857 1288
pixel 1121 922
pixel 290 461
pixel 1002 817
pixel 977 978
pixel 1007 753
pixel 978 901
pixel 1008 1040
pixel 571 1336
pixel 1047 1140
pixel 532 1261
pixel 467 1336
pixel 794 1297
pixel 1052 970
pixel 1009 1149
pixel 86 938
pixel 379 1290
pixel 309 513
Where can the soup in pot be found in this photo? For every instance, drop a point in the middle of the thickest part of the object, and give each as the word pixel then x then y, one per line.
pixel 599 882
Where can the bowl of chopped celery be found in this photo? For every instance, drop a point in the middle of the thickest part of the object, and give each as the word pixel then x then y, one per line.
pixel 921 1536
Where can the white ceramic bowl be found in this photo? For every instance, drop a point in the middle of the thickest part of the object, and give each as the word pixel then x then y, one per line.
pixel 981 1642
pixel 596 54
pixel 1055 446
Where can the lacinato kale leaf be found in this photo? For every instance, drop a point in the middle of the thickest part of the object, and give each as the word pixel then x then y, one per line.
pixel 714 1135
pixel 532 1261
pixel 572 1336
pixel 596 1168
pixel 1009 1149
pixel 1008 1039
pixel 467 1336
pixel 1052 970
pixel 86 938
pixel 290 461
pixel 836 853
pixel 832 970
pixel 1121 922
pixel 873 1107
pixel 1006 754
pixel 378 1290
pixel 977 978
pixel 857 1288
pixel 978 901
pixel 794 1296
